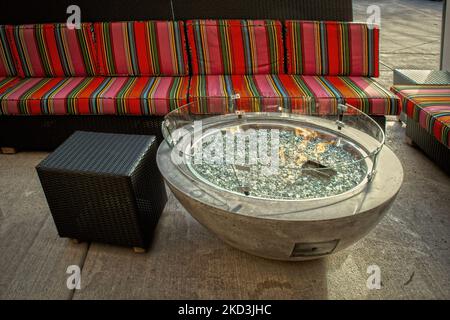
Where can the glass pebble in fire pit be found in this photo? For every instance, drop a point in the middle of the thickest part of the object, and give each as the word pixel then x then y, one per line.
pixel 309 164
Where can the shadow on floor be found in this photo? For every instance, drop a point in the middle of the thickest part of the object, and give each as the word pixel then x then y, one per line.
pixel 188 262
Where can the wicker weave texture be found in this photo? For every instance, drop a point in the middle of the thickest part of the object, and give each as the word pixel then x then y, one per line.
pixel 435 150
pixel 14 12
pixel 48 132
pixel 420 77
pixel 104 188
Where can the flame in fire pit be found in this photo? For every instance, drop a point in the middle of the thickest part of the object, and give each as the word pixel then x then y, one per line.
pixel 305 133
pixel 322 147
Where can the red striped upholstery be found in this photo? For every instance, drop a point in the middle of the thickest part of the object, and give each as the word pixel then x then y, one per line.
pixel 6 83
pixel 52 50
pixel 332 48
pixel 288 91
pixel 150 48
pixel 95 95
pixel 7 64
pixel 429 105
pixel 235 46
pixel 144 66
pixel 256 92
pixel 360 92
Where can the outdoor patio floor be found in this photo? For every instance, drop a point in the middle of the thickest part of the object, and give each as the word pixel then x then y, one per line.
pixel 411 245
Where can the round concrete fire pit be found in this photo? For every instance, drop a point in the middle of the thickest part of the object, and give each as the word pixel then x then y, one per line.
pixel 286 185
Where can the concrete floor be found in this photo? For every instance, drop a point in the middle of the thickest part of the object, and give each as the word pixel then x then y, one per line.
pixel 410 245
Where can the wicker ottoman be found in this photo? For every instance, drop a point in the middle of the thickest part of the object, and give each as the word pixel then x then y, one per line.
pixel 104 187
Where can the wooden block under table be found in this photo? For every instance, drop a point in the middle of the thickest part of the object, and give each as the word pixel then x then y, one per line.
pixel 8 150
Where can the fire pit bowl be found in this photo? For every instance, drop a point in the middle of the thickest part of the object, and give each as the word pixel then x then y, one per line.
pixel 293 183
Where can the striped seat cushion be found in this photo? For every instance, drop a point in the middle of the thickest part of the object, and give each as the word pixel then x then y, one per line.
pixel 7 82
pixel 360 92
pixel 332 48
pixel 235 47
pixel 429 105
pixel 53 50
pixel 213 92
pixel 150 48
pixel 7 65
pixel 257 91
pixel 95 95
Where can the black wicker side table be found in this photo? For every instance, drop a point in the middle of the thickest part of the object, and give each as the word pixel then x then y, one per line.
pixel 105 187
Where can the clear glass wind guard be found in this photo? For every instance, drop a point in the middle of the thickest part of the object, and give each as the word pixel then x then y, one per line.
pixel 302 151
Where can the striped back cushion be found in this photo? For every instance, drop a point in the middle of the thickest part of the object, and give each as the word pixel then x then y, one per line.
pixel 7 67
pixel 332 48
pixel 236 46
pixel 141 48
pixel 53 50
